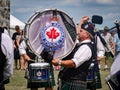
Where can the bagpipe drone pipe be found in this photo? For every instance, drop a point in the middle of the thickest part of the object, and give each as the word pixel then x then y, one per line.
pixel 116 27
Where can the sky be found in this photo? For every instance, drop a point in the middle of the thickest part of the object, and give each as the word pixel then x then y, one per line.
pixel 76 9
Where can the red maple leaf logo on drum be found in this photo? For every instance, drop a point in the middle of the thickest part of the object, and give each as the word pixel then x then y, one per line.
pixel 52 34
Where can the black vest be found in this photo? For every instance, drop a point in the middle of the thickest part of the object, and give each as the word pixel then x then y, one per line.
pixel 2 60
pixel 79 73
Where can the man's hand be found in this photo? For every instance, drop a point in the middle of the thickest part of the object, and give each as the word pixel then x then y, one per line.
pixel 55 62
pixel 85 19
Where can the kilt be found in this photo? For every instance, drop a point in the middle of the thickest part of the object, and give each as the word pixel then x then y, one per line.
pixel 95 83
pixel 73 85
pixel 50 82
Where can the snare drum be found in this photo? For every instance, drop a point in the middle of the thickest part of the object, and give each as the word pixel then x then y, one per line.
pixel 39 72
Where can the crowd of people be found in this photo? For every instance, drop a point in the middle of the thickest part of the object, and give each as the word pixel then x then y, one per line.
pixel 93 47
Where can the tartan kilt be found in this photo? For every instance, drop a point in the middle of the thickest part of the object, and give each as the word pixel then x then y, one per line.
pixel 95 82
pixel 73 85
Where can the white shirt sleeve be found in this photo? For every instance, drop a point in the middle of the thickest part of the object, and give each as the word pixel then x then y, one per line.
pixel 83 54
pixel 8 50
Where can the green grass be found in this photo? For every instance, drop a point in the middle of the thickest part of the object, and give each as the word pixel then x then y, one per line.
pixel 18 82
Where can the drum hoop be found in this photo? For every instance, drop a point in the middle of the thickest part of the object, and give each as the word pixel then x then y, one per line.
pixel 40 65
pixel 29 22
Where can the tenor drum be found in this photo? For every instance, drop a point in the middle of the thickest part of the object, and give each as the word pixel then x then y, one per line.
pixel 52 30
pixel 39 72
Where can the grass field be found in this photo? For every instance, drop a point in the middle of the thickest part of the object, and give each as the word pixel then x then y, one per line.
pixel 18 82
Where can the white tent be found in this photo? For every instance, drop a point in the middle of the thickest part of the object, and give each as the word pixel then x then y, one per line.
pixel 14 21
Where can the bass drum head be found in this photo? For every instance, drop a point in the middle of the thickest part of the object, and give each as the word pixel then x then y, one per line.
pixel 52 30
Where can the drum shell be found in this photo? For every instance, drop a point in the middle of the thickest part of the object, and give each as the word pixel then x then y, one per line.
pixel 39 72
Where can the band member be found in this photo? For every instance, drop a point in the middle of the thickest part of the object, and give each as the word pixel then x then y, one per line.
pixel 76 64
pixel 94 78
pixel 29 55
pixel 6 59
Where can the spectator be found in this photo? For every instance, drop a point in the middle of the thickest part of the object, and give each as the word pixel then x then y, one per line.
pixel 116 42
pixel 23 63
pixel 16 51
pixel 108 38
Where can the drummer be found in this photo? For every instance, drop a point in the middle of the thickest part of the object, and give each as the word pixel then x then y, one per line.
pixel 29 56
pixel 76 64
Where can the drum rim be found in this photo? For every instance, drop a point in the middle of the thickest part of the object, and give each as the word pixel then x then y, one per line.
pixel 44 64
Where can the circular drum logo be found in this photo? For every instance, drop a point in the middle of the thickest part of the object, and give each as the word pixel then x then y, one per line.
pixel 52 36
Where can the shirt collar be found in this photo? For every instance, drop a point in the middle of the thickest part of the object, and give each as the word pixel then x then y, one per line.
pixel 85 41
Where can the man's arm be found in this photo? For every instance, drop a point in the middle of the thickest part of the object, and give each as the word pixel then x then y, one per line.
pixel 8 50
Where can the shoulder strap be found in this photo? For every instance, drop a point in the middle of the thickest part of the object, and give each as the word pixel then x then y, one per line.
pixel 102 39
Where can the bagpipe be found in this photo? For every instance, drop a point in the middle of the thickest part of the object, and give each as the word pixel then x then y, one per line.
pixel 49 34
pixel 93 77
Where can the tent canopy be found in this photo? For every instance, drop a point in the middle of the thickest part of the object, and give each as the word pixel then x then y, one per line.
pixel 14 21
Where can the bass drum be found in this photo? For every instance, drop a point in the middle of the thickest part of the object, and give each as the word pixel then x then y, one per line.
pixel 52 30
